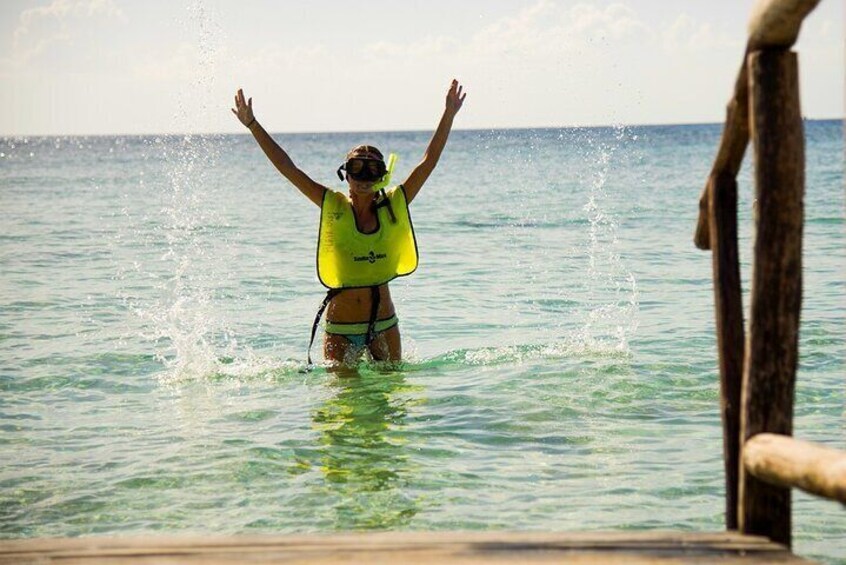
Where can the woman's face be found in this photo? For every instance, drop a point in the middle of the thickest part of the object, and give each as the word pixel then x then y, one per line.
pixel 363 160
pixel 360 187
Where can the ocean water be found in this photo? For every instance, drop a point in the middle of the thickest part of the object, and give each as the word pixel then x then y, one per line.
pixel 156 296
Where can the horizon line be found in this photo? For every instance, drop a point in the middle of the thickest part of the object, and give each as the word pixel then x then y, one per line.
pixel 389 131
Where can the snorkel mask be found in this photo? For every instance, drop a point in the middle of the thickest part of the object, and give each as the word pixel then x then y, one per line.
pixel 369 170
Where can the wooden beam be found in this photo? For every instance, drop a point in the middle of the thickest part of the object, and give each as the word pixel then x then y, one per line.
pixel 773 347
pixel 417 548
pixel 788 462
pixel 730 153
pixel 774 24
pixel 728 305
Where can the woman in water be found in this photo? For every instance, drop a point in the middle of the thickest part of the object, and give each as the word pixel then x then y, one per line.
pixel 365 240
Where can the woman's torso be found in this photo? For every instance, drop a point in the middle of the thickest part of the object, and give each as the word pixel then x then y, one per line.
pixel 353 305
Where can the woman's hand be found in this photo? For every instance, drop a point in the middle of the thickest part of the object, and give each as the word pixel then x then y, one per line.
pixel 418 176
pixel 243 109
pixel 454 98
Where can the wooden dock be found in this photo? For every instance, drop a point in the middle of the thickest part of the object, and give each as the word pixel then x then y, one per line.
pixel 757 379
pixel 406 548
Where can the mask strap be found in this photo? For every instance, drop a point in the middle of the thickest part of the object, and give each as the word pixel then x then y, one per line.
pixel 340 174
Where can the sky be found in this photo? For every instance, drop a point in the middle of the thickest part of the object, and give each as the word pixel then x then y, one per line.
pixel 80 67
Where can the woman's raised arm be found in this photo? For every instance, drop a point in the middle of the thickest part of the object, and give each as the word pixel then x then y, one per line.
pixel 244 112
pixel 421 172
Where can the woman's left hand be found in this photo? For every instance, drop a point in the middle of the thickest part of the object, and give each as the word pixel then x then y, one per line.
pixel 455 98
pixel 243 109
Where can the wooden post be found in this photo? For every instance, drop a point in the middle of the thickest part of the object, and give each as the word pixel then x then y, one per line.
pixel 730 153
pixel 774 24
pixel 772 350
pixel 793 463
pixel 728 303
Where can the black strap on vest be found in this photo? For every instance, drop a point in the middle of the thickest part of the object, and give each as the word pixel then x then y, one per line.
pixel 384 201
pixel 371 324
pixel 333 292
pixel 374 311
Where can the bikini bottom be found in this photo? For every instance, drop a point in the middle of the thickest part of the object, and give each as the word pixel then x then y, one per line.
pixel 356 332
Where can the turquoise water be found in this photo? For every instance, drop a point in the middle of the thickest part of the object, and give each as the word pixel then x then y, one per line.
pixel 157 293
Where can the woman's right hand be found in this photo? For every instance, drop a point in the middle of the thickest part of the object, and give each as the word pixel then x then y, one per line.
pixel 455 98
pixel 243 110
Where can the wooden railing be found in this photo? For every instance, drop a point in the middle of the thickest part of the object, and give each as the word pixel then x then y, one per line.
pixel 758 371
pixel 788 462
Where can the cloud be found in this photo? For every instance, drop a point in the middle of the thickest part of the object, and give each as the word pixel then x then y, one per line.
pixel 616 21
pixel 548 27
pixel 573 50
pixel 58 23
pixel 685 34
pixel 276 58
pixel 179 63
pixel 428 46
pixel 545 31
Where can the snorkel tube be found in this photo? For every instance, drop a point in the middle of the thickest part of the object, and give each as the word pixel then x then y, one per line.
pixel 382 183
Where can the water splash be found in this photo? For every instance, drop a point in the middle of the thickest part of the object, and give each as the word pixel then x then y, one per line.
pixel 611 299
pixel 185 324
pixel 567 348
pixel 186 320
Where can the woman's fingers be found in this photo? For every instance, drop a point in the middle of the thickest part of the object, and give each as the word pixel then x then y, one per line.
pixel 455 90
pixel 243 109
pixel 455 96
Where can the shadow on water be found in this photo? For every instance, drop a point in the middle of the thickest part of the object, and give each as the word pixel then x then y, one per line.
pixel 362 456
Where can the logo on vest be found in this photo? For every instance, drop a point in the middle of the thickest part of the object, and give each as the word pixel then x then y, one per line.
pixel 371 258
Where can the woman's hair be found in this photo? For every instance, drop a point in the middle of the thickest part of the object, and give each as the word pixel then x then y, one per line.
pixel 368 150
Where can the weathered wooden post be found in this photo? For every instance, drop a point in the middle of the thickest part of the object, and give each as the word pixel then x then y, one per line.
pixel 728 304
pixel 733 144
pixel 717 230
pixel 773 345
pixel 789 462
pixel 766 106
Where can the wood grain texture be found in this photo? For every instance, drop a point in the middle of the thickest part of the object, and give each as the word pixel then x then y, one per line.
pixel 728 306
pixel 407 548
pixel 789 462
pixel 772 349
pixel 776 23
pixel 773 24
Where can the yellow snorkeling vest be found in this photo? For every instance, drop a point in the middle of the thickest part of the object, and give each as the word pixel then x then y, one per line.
pixel 348 258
